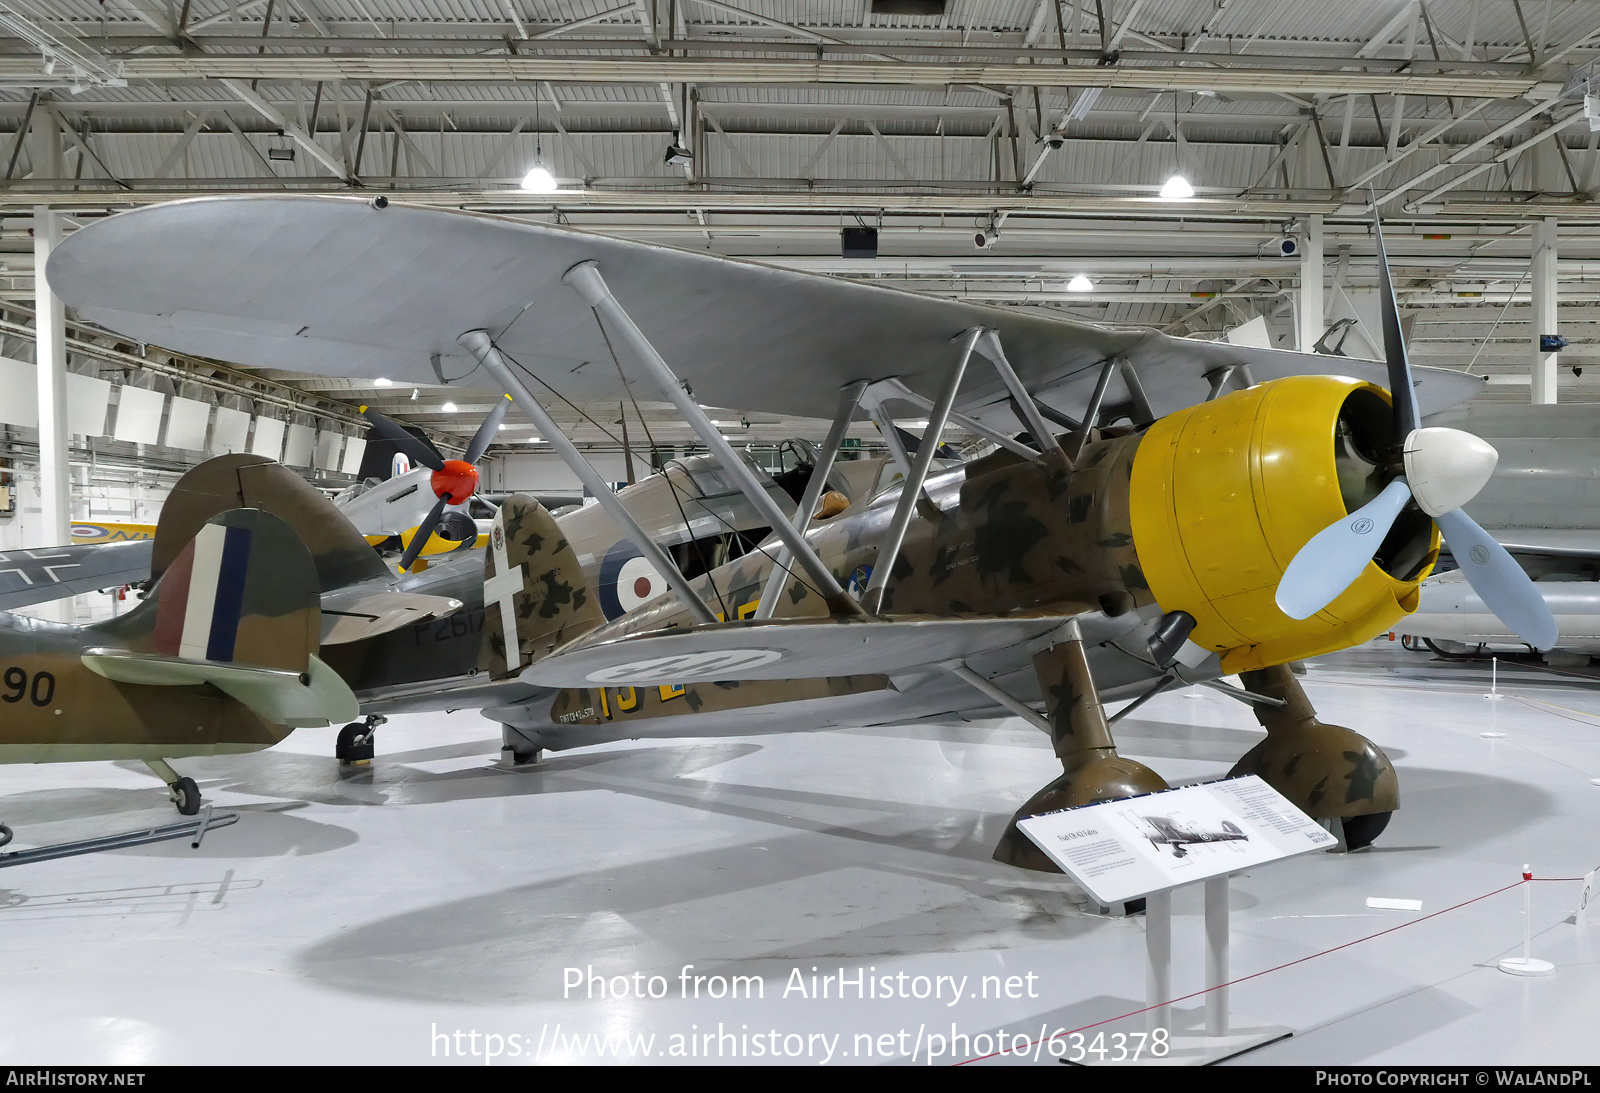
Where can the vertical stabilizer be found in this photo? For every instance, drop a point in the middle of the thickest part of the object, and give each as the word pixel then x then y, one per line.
pixel 237 608
pixel 340 554
pixel 533 586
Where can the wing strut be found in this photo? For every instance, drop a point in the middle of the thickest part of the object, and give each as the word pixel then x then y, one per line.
pixel 1091 412
pixel 585 279
pixel 477 341
pixel 1005 698
pixel 892 389
pixel 906 507
pixel 1043 435
pixel 849 399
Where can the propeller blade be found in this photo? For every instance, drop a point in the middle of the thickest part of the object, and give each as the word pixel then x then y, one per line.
pixel 390 430
pixel 1406 417
pixel 424 531
pixel 1498 580
pixel 486 431
pixel 1336 555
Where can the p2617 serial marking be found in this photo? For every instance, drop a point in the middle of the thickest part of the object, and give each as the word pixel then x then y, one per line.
pixel 459 625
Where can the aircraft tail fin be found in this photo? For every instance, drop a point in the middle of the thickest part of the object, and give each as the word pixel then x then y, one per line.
pixel 340 554
pixel 533 586
pixel 237 608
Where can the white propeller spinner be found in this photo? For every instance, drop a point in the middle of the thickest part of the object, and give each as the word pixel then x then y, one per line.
pixel 1446 468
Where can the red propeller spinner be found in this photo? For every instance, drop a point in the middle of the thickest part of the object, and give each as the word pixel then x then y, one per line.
pixel 453 480
pixel 456 481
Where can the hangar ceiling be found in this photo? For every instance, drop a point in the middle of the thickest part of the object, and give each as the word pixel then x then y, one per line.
pixel 1054 122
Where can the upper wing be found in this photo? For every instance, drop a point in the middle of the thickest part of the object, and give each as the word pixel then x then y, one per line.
pixel 50 573
pixel 334 286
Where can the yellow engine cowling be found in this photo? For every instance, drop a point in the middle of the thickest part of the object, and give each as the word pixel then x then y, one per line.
pixel 1224 494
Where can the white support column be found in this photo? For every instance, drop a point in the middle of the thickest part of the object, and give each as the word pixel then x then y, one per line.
pixel 1217 955
pixel 1311 272
pixel 1158 961
pixel 55 493
pixel 1543 276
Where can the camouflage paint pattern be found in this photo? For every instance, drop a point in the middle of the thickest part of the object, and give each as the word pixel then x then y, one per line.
pixel 1327 771
pixel 1092 770
pixel 554 603
pixel 341 554
pixel 437 664
pixel 53 708
pixel 1000 536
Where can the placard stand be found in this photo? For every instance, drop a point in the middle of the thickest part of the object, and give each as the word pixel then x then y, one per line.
pixel 1150 847
pixel 1193 1038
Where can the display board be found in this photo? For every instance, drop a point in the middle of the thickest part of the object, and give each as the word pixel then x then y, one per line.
pixel 139 415
pixel 186 424
pixel 1121 850
pixel 87 399
pixel 328 443
pixel 231 432
pixel 297 449
pixel 354 448
pixel 268 438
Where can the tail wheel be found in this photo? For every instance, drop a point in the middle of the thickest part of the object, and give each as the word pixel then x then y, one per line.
pixel 186 796
pixel 355 743
pixel 5 834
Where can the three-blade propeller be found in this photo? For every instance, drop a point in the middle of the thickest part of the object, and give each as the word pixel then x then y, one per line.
pixel 453 480
pixel 1443 470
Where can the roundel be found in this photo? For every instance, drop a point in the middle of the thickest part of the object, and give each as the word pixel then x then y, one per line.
pixel 627 581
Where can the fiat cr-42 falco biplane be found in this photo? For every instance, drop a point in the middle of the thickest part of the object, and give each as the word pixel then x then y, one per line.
pixel 1157 510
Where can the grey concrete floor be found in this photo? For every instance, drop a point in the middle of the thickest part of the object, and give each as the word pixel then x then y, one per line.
pixel 371 917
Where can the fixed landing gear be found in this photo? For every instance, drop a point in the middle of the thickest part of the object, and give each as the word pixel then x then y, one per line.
pixel 185 794
pixel 519 748
pixel 1329 772
pixel 354 746
pixel 1092 770
pixel 1358 832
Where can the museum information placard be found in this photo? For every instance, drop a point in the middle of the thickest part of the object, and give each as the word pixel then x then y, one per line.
pixel 1121 850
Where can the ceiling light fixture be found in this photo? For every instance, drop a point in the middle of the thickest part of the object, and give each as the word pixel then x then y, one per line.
pixel 540 181
pixel 1177 188
pixel 449 407
pixel 383 381
pixel 1080 283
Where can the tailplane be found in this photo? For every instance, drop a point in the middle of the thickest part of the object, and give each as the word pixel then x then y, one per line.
pixel 237 607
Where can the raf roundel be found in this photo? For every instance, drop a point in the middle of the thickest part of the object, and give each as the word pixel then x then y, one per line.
pixel 627 581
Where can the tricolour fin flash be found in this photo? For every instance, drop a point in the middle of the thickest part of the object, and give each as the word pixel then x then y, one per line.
pixel 236 609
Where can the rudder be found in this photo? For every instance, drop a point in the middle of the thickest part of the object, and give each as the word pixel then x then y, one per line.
pixel 237 607
pixel 532 585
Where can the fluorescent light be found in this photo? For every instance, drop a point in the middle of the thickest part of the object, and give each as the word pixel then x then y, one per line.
pixel 539 180
pixel 382 382
pixel 1177 188
pixel 449 407
pixel 1080 283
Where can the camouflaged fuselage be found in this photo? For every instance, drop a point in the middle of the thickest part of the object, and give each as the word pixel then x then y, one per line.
pixel 999 537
